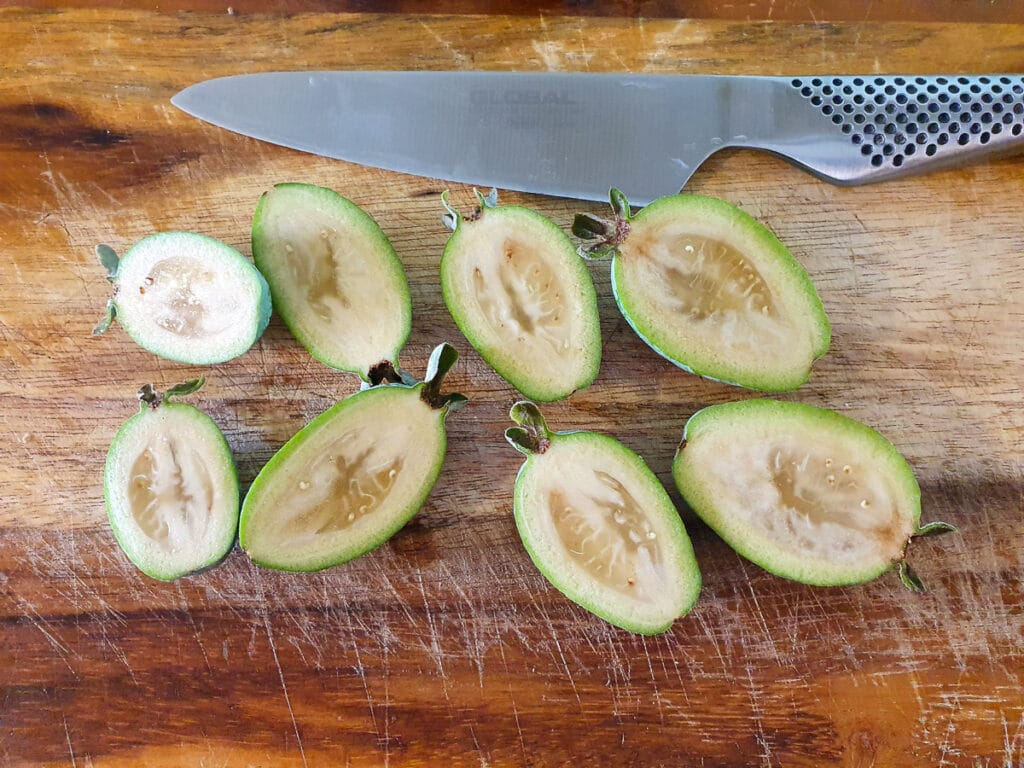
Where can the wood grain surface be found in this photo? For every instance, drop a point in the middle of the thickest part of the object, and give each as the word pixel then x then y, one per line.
pixel 816 11
pixel 445 647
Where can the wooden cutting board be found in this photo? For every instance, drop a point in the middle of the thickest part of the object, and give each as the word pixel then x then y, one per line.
pixel 445 647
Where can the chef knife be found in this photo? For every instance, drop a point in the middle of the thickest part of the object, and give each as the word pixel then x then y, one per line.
pixel 576 135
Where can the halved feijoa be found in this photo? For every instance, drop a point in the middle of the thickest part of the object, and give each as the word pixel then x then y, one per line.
pixel 515 287
pixel 712 290
pixel 186 297
pixel 600 527
pixel 805 493
pixel 351 478
pixel 170 487
pixel 336 281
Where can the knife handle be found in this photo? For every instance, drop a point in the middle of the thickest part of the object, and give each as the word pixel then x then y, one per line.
pixel 860 129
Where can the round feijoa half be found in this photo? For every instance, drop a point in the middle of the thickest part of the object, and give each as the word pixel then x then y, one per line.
pixel 518 292
pixel 804 492
pixel 712 290
pixel 351 478
pixel 186 297
pixel 601 528
pixel 170 486
pixel 336 281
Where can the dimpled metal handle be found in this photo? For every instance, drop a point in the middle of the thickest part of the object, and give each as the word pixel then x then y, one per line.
pixel 878 127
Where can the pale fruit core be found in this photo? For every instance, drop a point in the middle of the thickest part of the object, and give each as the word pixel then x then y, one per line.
pixel 348 479
pixel 343 294
pixel 517 291
pixel 170 492
pixel 603 528
pixel 346 483
pixel 593 512
pixel 703 283
pixel 709 299
pixel 187 298
pixel 822 502
pixel 521 298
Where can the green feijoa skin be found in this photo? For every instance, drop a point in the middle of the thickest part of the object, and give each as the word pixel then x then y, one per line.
pixel 351 478
pixel 803 492
pixel 171 488
pixel 186 297
pixel 517 290
pixel 712 290
pixel 336 281
pixel 600 527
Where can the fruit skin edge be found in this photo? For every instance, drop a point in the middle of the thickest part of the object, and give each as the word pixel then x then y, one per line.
pixel 448 294
pixel 394 262
pixel 373 542
pixel 231 476
pixel 263 307
pixel 773 244
pixel 749 553
pixel 518 504
pixel 663 355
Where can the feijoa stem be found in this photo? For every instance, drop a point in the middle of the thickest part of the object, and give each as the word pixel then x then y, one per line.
pixel 149 397
pixel 386 372
pixel 532 434
pixel 442 359
pixel 453 218
pixel 609 234
pixel 907 575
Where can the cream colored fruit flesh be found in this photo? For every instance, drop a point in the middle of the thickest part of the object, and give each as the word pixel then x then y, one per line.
pixel 342 486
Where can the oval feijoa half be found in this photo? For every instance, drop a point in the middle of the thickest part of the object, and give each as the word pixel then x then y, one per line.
pixel 186 297
pixel 712 290
pixel 336 281
pixel 350 479
pixel 515 287
pixel 171 488
pixel 804 492
pixel 601 528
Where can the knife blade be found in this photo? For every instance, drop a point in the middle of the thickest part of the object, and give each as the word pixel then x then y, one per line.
pixel 577 135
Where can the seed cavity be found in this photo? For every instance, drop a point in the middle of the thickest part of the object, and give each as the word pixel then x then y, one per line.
pixel 317 276
pixel 186 300
pixel 708 280
pixel 520 297
pixel 170 493
pixel 607 532
pixel 347 483
pixel 822 512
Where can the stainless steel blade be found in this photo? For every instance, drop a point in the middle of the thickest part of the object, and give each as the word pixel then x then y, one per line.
pixel 577 135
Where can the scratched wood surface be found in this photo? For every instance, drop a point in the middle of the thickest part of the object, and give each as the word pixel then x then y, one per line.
pixel 818 11
pixel 445 647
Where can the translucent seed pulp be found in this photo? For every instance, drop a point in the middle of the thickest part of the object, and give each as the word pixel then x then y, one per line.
pixel 521 298
pixel 317 276
pixel 347 483
pixel 170 493
pixel 812 495
pixel 608 535
pixel 185 298
pixel 704 282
